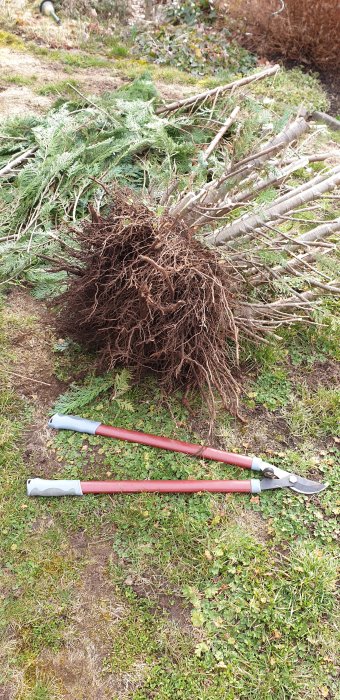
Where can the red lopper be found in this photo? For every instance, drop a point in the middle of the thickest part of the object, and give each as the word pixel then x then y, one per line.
pixel 275 478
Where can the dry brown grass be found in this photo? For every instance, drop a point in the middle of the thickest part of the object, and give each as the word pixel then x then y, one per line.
pixel 305 31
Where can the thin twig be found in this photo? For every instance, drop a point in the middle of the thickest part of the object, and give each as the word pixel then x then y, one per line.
pixel 93 104
pixel 208 151
pixel 302 221
pixel 31 379
pixel 99 182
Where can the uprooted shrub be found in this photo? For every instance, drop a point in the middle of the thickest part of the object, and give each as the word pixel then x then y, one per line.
pixel 146 295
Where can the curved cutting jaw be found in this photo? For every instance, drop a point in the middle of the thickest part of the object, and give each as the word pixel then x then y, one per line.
pixel 282 479
pixel 307 486
pixel 299 485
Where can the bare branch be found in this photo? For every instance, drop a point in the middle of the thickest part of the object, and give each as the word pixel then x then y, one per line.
pixel 326 119
pixel 229 204
pixel 330 288
pixel 319 233
pixel 246 224
pixel 194 99
pixel 208 151
pixel 317 157
pixel 214 191
pixel 18 160
pixel 172 187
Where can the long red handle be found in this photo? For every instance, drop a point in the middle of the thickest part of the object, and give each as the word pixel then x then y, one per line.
pixel 175 445
pixel 161 486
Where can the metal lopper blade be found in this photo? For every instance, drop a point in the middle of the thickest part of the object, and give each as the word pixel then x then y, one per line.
pixel 296 483
pixel 277 478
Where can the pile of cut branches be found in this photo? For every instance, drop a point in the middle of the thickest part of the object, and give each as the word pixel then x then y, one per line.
pixel 48 163
pixel 144 286
pixel 262 243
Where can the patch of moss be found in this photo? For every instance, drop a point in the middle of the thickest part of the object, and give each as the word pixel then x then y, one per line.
pixel 11 40
pixel 292 88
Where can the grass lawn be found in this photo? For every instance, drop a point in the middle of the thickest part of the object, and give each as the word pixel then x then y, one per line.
pixel 147 596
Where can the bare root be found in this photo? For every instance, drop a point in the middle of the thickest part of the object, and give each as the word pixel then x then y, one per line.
pixel 148 296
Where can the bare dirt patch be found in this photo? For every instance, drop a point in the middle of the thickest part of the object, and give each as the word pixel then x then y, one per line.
pixel 253 522
pixel 326 374
pixel 154 588
pixel 32 337
pixel 78 672
pixel 173 91
pixel 79 668
pixel 23 64
pixel 331 83
pixel 23 99
pixel 93 80
pixel 263 432
pixel 31 374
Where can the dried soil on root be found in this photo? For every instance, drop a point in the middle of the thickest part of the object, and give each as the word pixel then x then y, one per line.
pixel 148 296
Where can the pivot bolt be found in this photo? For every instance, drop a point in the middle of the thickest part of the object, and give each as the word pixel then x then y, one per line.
pixel 268 472
pixel 293 479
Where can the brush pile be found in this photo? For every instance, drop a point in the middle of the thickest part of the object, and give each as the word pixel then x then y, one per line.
pixel 142 284
pixel 146 295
